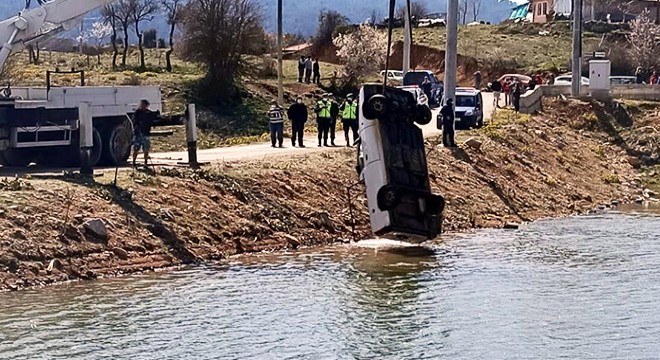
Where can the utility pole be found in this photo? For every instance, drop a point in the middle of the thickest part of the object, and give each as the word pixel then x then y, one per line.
pixel 280 76
pixel 451 50
pixel 577 48
pixel 407 39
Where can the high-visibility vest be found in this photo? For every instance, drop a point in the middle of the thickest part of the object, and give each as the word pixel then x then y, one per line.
pixel 324 107
pixel 350 111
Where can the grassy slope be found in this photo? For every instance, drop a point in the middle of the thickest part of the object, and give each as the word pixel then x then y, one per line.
pixel 531 51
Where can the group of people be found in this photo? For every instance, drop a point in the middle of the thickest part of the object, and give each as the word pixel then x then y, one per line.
pixel 309 70
pixel 513 88
pixel 327 111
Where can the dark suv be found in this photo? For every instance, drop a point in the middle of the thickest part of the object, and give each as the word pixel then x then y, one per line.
pixel 434 92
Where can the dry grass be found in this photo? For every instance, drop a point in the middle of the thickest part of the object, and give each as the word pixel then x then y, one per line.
pixel 531 51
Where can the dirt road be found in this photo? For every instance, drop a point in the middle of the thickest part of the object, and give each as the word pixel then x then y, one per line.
pixel 264 150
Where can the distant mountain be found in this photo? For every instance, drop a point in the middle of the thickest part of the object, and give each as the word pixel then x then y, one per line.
pixel 301 17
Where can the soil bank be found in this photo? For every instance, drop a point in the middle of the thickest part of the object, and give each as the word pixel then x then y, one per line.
pixel 518 168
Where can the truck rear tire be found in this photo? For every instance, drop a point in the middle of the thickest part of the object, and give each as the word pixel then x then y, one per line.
pixel 116 144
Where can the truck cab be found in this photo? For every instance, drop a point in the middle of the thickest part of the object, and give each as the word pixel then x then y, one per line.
pixel 435 89
pixel 392 163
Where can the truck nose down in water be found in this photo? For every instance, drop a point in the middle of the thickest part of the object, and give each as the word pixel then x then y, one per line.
pixel 392 163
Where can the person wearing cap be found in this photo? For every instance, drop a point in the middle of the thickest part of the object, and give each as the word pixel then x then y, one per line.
pixel 323 117
pixel 334 114
pixel 297 113
pixel 447 113
pixel 276 123
pixel 349 119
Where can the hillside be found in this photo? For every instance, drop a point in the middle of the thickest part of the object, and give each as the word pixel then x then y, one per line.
pixel 303 19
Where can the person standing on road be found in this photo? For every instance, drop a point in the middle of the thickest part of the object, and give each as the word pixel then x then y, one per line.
pixel 477 80
pixel 322 110
pixel 506 87
pixel 349 119
pixel 496 86
pixel 301 69
pixel 447 113
pixel 276 124
pixel 639 75
pixel 297 113
pixel 308 69
pixel 427 88
pixel 317 72
pixel 334 114
pixel 654 78
pixel 143 120
pixel 516 92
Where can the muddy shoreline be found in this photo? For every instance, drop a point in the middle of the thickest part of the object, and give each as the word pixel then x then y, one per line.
pixel 517 169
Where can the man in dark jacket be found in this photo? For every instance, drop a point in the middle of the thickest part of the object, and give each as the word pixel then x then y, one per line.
pixel 334 114
pixel 516 92
pixel 297 113
pixel 143 120
pixel 317 72
pixel 496 86
pixel 447 113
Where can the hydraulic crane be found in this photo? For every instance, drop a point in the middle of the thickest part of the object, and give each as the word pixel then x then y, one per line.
pixel 43 123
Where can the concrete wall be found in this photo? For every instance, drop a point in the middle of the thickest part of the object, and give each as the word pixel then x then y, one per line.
pixel 531 102
pixel 628 92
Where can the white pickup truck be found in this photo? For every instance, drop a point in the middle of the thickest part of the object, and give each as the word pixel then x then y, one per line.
pixel 392 163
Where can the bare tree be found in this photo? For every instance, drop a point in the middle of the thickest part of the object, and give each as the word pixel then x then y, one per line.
pixel 417 10
pixel 218 33
pixel 643 47
pixel 109 14
pixel 123 14
pixel 374 17
pixel 173 10
pixel 143 10
pixel 476 9
pixel 462 11
pixel 329 21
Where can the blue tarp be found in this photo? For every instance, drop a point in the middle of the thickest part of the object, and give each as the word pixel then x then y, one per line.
pixel 519 12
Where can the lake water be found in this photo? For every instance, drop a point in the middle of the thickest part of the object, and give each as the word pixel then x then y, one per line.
pixel 575 288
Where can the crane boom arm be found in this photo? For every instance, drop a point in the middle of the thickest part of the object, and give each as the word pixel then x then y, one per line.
pixel 56 14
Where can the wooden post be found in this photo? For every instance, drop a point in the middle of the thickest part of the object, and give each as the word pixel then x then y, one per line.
pixel 191 135
pixel 86 139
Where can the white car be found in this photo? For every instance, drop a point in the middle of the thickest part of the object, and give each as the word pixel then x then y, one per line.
pixel 392 163
pixel 568 80
pixel 393 75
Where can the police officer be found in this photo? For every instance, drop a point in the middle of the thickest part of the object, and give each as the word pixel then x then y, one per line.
pixel 323 118
pixel 447 113
pixel 349 119
pixel 334 114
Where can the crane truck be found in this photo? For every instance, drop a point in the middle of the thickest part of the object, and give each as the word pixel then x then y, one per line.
pixel 43 123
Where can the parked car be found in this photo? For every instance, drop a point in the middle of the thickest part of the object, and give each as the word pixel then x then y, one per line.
pixel 393 75
pixel 417 78
pixel 567 79
pixel 622 80
pixel 469 105
pixel 524 79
